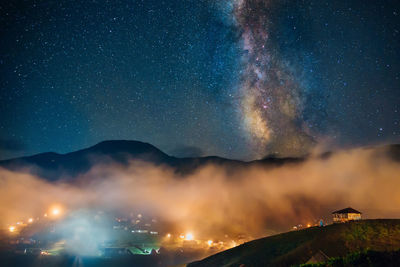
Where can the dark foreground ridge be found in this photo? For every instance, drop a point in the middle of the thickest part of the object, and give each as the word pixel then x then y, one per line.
pixel 297 247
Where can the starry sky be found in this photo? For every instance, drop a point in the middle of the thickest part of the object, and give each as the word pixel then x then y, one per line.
pixel 236 78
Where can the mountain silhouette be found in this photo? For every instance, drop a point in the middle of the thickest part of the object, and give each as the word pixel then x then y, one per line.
pixel 53 166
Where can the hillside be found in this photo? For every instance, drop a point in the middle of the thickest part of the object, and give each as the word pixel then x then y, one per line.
pixel 362 258
pixel 298 247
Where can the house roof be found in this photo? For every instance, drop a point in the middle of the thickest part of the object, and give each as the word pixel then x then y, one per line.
pixel 346 210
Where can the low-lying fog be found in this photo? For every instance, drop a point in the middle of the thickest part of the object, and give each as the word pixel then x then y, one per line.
pixel 254 201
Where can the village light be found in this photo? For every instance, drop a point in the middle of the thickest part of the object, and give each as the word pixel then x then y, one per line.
pixel 55 211
pixel 168 235
pixel 11 229
pixel 209 242
pixel 189 236
pixel 30 220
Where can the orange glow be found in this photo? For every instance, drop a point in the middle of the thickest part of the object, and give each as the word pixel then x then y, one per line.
pixel 30 220
pixel 168 235
pixel 11 229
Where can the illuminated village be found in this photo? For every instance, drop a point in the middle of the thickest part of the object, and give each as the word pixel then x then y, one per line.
pixel 59 231
pixel 98 234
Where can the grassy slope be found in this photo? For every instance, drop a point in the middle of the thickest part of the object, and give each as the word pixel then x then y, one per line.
pixel 297 247
pixel 364 258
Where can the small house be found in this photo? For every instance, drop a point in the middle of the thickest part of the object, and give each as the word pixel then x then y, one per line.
pixel 345 215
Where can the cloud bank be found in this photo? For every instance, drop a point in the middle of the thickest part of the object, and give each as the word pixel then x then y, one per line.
pixel 212 201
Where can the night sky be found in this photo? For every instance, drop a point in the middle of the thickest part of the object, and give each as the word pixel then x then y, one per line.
pixel 239 78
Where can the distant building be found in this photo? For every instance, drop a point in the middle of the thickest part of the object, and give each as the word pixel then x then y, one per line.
pixel 345 215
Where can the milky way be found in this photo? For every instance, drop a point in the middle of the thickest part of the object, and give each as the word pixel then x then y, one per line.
pixel 271 100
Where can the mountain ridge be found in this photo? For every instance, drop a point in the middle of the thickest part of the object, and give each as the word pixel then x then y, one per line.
pixel 52 165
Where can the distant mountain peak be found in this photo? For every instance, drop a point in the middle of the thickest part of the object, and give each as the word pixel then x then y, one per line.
pixel 112 146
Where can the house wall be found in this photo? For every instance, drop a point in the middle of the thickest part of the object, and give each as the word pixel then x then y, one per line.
pixel 345 217
pixel 354 216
